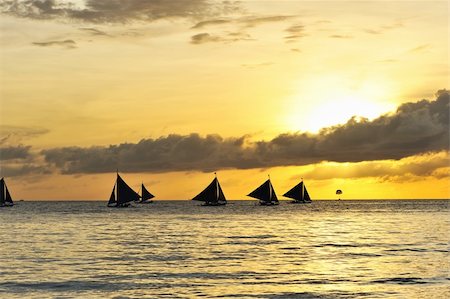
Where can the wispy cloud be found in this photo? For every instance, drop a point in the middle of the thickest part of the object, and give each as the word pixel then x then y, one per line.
pixel 68 43
pixel 247 21
pixel 340 36
pixel 202 38
pixel 13 135
pixel 94 31
pixel 294 33
pixel 420 48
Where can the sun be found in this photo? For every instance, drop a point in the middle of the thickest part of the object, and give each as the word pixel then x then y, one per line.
pixel 314 108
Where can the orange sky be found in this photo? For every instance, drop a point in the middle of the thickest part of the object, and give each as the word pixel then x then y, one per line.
pixel 170 92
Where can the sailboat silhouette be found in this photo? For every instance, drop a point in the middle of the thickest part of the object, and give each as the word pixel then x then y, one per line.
pixel 212 195
pixel 299 194
pixel 266 194
pixel 122 194
pixel 146 196
pixel 5 197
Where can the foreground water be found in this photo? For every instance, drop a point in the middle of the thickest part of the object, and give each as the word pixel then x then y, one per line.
pixel 328 249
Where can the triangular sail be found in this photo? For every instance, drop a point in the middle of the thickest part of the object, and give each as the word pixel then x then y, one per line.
pixel 212 194
pixel 112 198
pixel 298 193
pixel 265 192
pixel 8 198
pixel 306 194
pixel 2 192
pixel 145 194
pixel 124 192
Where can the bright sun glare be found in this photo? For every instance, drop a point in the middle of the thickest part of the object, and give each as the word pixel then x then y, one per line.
pixel 314 109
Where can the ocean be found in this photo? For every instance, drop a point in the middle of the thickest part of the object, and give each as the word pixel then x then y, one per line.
pixel 178 249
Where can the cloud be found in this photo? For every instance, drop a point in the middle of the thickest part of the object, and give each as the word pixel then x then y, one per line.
pixel 340 36
pixel 248 21
pixel 210 22
pixel 13 135
pixel 415 128
pixel 406 169
pixel 68 44
pixel 382 29
pixel 420 48
pixel 119 11
pixel 202 38
pixel 258 20
pixel 14 152
pixel 294 33
pixel 94 31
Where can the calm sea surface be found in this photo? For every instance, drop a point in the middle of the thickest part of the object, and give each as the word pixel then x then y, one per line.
pixel 178 249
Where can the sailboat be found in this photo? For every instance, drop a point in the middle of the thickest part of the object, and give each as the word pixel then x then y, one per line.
pixel 146 196
pixel 122 194
pixel 266 194
pixel 212 195
pixel 5 197
pixel 299 194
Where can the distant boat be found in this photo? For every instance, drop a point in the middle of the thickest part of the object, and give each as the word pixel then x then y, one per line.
pixel 299 194
pixel 122 194
pixel 5 197
pixel 146 196
pixel 212 195
pixel 266 194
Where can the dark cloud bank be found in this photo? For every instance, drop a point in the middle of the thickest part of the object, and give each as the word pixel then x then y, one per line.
pixel 414 128
pixel 118 11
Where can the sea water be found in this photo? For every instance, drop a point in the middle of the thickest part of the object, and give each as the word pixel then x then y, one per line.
pixel 178 249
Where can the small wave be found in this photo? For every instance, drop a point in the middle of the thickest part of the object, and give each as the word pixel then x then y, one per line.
pixel 337 245
pixel 402 280
pixel 252 237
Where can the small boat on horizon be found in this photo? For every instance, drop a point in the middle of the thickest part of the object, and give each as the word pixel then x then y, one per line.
pixel 299 194
pixel 266 194
pixel 122 194
pixel 145 196
pixel 5 196
pixel 212 195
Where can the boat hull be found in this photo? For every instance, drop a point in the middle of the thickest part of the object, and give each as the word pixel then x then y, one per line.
pixel 213 204
pixel 263 203
pixel 122 205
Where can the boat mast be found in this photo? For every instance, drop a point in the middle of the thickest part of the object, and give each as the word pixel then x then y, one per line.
pixel 303 191
pixel 217 187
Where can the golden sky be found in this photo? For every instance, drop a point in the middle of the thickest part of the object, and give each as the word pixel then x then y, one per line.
pixel 347 95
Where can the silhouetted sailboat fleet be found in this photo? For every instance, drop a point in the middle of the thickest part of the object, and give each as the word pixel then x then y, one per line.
pixel 122 194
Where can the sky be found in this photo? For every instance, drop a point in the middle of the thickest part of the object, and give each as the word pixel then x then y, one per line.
pixel 346 95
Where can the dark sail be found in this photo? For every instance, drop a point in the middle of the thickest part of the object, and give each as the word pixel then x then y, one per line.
pixel 212 194
pixel 2 192
pixel 8 198
pixel 306 195
pixel 124 192
pixel 265 193
pixel 145 194
pixel 298 193
pixel 5 197
pixel 112 198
